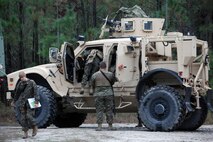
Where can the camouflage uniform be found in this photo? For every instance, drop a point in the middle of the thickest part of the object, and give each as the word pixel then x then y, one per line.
pixel 92 65
pixel 103 95
pixel 24 90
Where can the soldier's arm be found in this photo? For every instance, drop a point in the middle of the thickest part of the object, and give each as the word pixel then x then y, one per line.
pixel 17 93
pixel 36 95
pixel 114 79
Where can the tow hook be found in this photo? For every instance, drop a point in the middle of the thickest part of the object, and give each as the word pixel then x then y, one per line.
pixel 188 91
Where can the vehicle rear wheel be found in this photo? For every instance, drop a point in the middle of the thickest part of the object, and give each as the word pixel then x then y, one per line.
pixel 44 115
pixel 195 119
pixel 69 120
pixel 161 108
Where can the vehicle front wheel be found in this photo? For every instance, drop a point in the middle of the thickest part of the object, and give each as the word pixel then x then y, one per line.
pixel 161 108
pixel 44 115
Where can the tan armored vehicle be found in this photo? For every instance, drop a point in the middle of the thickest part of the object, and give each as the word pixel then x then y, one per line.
pixel 162 76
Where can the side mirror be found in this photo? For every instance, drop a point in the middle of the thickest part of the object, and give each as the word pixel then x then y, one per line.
pixel 2 70
pixel 53 54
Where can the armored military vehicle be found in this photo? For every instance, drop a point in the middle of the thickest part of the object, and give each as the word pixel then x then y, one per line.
pixel 162 76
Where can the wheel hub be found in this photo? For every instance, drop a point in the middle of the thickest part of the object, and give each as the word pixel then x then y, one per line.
pixel 159 109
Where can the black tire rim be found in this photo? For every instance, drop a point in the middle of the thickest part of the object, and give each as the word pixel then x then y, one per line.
pixel 161 108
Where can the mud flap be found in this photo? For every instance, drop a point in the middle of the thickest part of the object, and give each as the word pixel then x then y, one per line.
pixel 188 91
pixel 209 98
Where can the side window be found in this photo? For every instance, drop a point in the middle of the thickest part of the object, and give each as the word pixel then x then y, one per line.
pixel 174 53
pixel 129 26
pixel 88 50
pixel 129 49
pixel 147 26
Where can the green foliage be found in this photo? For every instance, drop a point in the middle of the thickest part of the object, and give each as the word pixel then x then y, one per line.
pixel 56 31
pixel 92 33
pixel 205 28
pixel 38 25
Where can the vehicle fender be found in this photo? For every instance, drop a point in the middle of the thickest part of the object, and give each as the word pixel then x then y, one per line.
pixel 145 79
pixel 43 71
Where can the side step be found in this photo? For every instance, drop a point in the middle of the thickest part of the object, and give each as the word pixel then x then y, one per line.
pixel 80 104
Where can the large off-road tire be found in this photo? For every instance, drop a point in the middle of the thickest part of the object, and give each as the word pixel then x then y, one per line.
pixel 195 119
pixel 44 115
pixel 69 120
pixel 161 108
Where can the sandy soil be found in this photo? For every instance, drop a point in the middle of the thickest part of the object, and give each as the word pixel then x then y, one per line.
pixel 124 133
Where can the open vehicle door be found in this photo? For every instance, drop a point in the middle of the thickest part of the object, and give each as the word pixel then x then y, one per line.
pixel 68 62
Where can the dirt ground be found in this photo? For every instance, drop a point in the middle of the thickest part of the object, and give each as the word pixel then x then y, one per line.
pixel 124 133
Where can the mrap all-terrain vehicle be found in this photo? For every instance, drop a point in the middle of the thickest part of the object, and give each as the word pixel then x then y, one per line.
pixel 163 77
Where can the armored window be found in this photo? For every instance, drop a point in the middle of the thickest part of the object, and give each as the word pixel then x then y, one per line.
pixel 174 53
pixel 130 48
pixel 129 26
pixel 147 26
pixel 199 50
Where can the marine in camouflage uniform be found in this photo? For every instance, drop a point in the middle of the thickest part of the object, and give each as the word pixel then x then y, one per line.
pixel 26 89
pixel 104 95
pixel 92 65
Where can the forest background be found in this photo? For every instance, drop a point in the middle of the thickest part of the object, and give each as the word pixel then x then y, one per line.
pixel 30 27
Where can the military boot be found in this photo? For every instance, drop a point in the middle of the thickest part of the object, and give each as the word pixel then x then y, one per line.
pixel 111 127
pixel 82 90
pixel 99 127
pixel 35 130
pixel 139 125
pixel 25 135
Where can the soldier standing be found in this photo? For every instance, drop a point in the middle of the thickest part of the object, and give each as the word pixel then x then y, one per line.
pixel 92 65
pixel 26 89
pixel 102 82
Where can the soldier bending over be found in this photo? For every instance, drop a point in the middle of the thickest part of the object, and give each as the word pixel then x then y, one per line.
pixel 92 65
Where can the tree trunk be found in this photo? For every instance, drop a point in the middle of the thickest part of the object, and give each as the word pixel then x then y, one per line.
pixel 94 13
pixel 84 16
pixel 159 5
pixel 87 9
pixel 35 41
pixel 8 64
pixel 21 36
